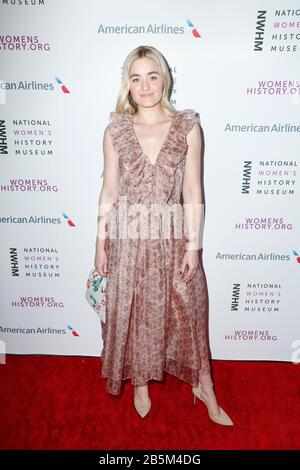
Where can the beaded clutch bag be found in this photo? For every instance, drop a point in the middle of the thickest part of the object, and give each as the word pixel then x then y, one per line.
pixel 96 293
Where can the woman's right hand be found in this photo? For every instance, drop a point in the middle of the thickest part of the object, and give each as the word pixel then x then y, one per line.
pixel 100 262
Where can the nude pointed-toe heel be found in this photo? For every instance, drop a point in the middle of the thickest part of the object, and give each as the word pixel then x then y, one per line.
pixel 220 418
pixel 142 408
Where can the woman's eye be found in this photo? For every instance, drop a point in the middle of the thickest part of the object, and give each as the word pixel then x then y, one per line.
pixel 151 78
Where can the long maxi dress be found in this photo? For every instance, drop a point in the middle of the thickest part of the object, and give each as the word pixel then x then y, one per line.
pixel 155 322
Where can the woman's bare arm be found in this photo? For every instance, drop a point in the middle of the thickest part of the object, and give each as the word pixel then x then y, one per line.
pixel 109 193
pixel 191 191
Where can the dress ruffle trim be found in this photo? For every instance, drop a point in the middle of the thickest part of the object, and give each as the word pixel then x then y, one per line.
pixel 142 177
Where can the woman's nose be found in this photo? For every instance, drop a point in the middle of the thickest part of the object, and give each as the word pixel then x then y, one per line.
pixel 145 85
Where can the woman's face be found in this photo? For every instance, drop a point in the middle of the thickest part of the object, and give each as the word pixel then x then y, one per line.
pixel 145 82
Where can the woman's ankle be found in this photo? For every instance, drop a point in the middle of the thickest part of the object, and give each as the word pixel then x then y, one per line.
pixel 206 382
pixel 141 391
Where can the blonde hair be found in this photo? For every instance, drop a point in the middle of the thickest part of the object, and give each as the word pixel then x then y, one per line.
pixel 125 102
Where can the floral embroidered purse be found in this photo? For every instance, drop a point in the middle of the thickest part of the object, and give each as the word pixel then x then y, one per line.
pixel 96 293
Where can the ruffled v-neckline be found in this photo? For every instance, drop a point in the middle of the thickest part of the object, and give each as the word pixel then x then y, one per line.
pixel 163 144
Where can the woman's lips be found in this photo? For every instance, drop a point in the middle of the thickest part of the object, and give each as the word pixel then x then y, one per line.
pixel 145 96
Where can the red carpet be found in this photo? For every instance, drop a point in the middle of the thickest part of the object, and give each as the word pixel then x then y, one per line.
pixel 57 402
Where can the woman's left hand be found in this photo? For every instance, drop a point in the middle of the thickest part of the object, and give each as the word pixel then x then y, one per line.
pixel 189 266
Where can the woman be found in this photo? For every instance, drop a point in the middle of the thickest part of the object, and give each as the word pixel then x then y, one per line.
pixel 156 309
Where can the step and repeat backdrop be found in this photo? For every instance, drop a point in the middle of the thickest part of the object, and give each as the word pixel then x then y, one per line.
pixel 238 67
